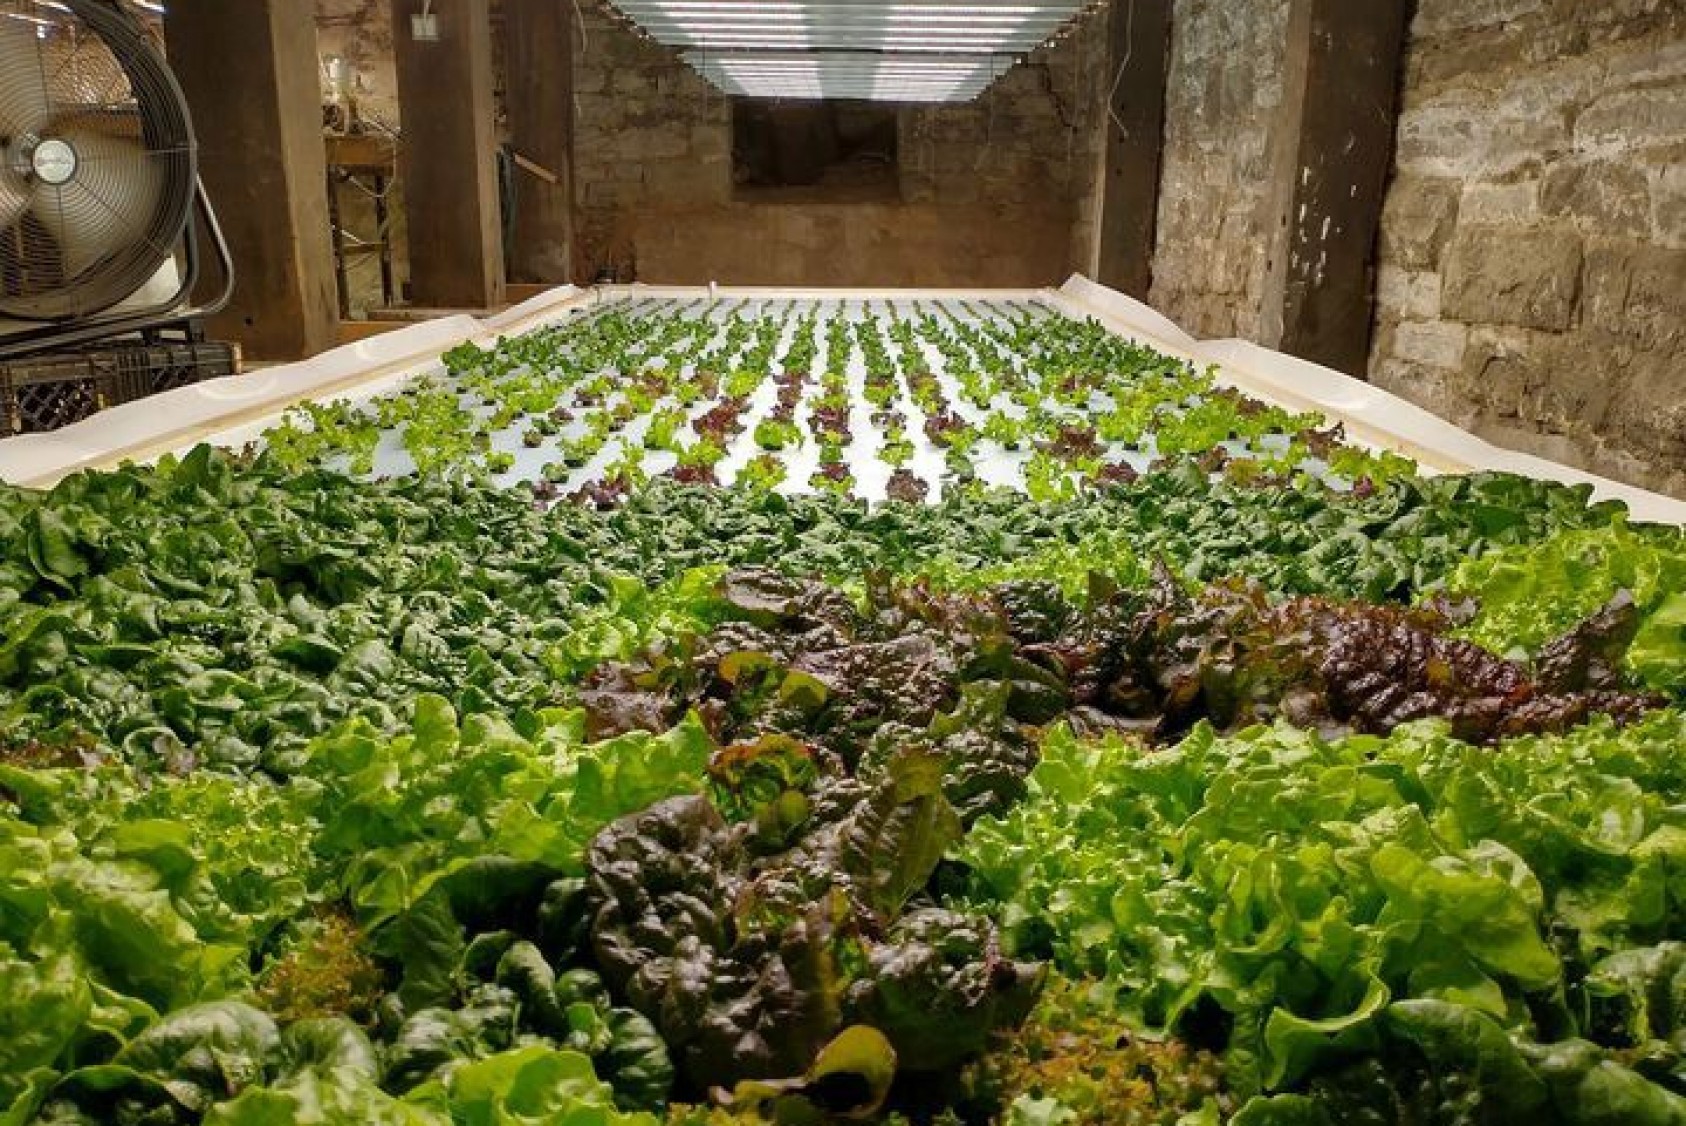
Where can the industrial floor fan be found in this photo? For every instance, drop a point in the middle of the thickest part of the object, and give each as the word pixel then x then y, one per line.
pixel 100 246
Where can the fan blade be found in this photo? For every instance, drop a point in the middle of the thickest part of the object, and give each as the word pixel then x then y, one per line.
pixel 23 86
pixel 15 198
pixel 107 205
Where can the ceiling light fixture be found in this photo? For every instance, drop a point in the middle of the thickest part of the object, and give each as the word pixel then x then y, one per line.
pixel 924 50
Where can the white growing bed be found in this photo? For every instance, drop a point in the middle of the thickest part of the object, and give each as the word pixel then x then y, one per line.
pixel 235 410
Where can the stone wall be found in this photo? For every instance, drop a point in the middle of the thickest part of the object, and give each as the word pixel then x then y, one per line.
pixel 648 133
pixel 997 193
pixel 1532 280
pixel 1224 86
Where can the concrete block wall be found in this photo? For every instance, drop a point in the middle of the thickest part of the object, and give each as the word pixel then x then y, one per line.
pixel 1532 266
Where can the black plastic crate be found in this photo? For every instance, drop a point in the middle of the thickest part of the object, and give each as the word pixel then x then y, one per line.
pixel 45 392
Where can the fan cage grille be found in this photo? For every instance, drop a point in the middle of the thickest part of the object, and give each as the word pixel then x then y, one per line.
pixel 107 90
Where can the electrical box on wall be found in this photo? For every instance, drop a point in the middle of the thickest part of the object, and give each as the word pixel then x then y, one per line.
pixel 424 27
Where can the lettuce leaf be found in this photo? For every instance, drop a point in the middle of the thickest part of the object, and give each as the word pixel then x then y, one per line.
pixel 1529 595
pixel 1303 886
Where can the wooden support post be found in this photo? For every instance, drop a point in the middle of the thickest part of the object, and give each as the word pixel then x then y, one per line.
pixel 448 155
pixel 539 77
pixel 1335 146
pixel 249 71
pixel 1139 51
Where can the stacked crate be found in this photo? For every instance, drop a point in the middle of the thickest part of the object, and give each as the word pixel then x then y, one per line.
pixel 45 392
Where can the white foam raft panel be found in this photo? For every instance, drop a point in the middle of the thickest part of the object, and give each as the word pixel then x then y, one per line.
pixel 236 410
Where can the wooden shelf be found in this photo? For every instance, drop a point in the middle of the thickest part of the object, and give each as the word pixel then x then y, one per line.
pixel 361 152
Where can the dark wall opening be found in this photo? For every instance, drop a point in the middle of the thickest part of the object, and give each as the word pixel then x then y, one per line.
pixel 814 152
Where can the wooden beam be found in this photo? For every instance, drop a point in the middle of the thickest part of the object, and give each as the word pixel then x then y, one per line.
pixel 448 155
pixel 1335 150
pixel 539 65
pixel 539 170
pixel 1139 52
pixel 249 71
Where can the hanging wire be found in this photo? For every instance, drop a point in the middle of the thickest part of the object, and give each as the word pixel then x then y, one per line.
pixel 1079 55
pixel 989 129
pixel 585 48
pixel 1123 65
pixel 371 192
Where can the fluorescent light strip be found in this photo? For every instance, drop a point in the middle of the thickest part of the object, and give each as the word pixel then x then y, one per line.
pixel 851 32
pixel 854 41
pixel 910 76
pixel 857 58
pixel 811 60
pixel 784 11
pixel 857 84
pixel 654 15
pixel 979 18
pixel 729 68
pixel 1007 24
pixel 657 25
pixel 907 76
pixel 844 72
pixel 857 38
pixel 854 34
pixel 980 21
pixel 864 94
pixel 854 85
pixel 839 93
pixel 853 48
pixel 851 75
pixel 732 43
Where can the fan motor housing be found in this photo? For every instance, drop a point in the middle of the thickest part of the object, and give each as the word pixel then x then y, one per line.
pixel 54 162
